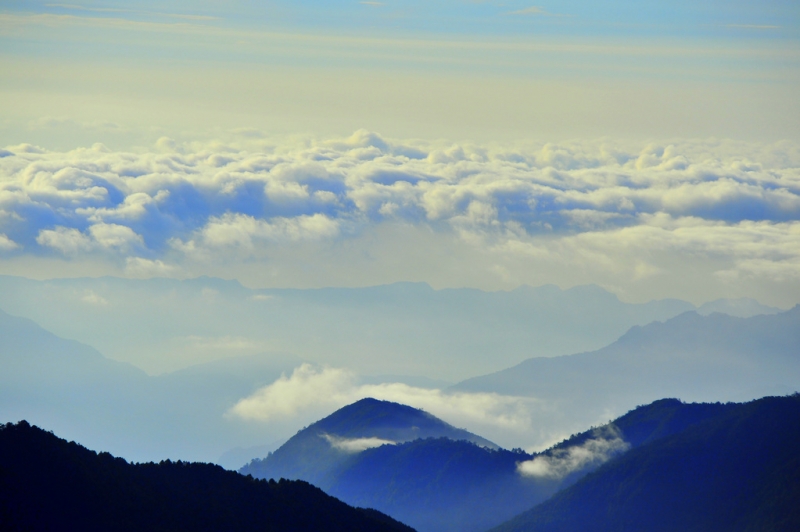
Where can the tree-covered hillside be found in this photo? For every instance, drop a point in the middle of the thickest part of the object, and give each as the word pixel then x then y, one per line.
pixel 49 484
pixel 735 471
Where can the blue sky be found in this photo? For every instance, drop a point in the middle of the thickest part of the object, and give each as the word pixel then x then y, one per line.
pixel 651 148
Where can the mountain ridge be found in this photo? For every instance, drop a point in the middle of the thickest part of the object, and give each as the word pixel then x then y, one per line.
pixel 195 320
pixel 693 357
pixel 320 449
pixel 439 484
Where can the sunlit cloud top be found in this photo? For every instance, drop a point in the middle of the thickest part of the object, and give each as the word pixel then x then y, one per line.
pixel 622 210
pixel 221 145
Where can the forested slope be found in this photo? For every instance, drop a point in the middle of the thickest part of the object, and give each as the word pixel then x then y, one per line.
pixel 47 483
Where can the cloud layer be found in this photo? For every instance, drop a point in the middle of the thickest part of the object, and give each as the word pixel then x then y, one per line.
pixel 176 209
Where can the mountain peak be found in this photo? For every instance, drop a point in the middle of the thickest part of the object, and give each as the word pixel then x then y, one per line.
pixel 320 448
pixel 374 418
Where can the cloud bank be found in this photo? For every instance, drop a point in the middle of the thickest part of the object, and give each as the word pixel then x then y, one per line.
pixel 620 210
pixel 310 391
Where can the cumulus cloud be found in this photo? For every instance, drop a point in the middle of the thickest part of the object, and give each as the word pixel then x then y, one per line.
pixel 305 388
pixel 67 241
pixel 6 244
pixel 147 268
pixel 605 443
pixel 99 236
pixel 310 388
pixel 612 205
pixel 245 232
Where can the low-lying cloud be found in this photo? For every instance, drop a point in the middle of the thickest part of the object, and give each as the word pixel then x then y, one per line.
pixel 321 390
pixel 355 445
pixel 605 443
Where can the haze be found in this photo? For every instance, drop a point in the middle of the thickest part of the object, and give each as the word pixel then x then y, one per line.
pixel 388 198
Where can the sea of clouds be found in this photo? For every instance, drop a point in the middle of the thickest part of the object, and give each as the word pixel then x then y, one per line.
pixel 171 209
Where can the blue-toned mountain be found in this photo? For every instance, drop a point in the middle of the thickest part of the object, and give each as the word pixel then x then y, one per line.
pixel 444 484
pixel 735 471
pixel 197 320
pixel 696 358
pixel 322 449
pixel 76 391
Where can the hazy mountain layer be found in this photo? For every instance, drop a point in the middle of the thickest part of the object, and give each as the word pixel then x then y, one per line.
pixel 73 389
pixel 696 358
pixel 47 483
pixel 736 471
pixel 162 324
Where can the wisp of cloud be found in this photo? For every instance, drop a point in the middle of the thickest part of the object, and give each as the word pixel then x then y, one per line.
pixel 556 464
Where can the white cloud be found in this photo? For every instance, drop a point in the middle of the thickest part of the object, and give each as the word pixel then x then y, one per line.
pixel 309 388
pixel 6 244
pixel 355 445
pixel 146 268
pixel 115 236
pixel 101 236
pixel 558 463
pixel 729 207
pixel 67 241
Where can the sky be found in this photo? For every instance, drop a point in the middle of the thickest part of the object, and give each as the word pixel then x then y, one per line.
pixel 650 148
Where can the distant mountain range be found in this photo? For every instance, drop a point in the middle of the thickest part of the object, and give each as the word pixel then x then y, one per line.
pixel 47 483
pixel 74 390
pixel 448 480
pixel 162 325
pixel 736 471
pixel 696 358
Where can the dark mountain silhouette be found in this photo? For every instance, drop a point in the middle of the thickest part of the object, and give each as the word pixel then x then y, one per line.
pixel 440 484
pixel 697 358
pixel 736 471
pixel 47 483
pixel 319 450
